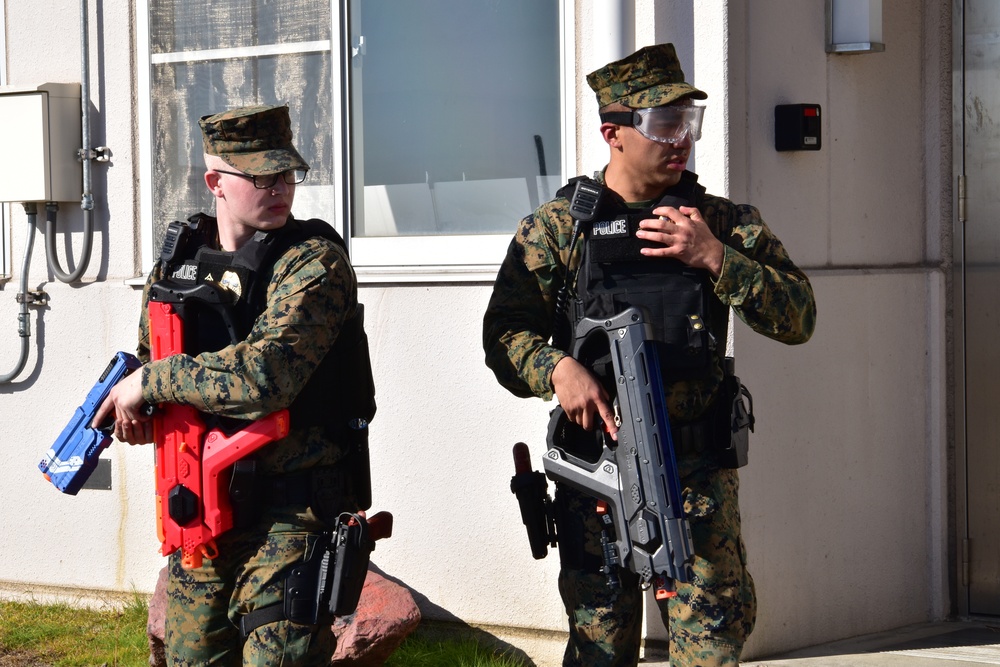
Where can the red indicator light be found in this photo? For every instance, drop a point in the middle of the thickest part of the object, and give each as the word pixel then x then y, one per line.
pixel 810 111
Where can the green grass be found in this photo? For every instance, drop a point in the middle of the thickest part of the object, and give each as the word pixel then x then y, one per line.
pixel 417 651
pixel 61 635
pixel 64 636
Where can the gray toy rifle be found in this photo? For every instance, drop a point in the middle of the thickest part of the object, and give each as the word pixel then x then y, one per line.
pixel 635 478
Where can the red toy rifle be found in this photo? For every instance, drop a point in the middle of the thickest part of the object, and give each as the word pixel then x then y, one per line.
pixel 194 463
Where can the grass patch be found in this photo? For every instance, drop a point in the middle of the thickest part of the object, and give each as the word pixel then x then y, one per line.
pixel 417 651
pixel 60 635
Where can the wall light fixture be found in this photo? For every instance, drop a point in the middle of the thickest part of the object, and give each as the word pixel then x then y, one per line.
pixel 854 26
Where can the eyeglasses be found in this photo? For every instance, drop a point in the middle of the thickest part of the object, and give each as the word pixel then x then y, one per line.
pixel 667 124
pixel 291 177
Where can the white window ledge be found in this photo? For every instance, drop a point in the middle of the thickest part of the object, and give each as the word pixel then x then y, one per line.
pixel 368 275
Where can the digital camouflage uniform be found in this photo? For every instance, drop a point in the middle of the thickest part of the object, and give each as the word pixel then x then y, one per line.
pixel 310 296
pixel 710 618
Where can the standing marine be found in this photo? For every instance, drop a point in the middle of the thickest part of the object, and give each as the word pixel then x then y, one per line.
pixel 659 242
pixel 287 332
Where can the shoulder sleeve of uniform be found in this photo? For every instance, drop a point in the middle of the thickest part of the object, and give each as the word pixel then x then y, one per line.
pixel 519 318
pixel 758 278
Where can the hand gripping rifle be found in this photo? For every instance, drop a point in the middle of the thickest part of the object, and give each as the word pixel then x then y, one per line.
pixel 634 478
pixel 194 463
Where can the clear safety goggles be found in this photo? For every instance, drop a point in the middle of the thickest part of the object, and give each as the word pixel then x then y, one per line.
pixel 667 124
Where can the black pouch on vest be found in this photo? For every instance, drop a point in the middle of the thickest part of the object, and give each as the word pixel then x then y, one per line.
pixel 358 464
pixel 736 421
pixel 347 486
pixel 673 296
pixel 245 493
pixel 328 492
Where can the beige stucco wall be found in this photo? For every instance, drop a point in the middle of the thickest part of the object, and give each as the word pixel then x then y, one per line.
pixel 844 499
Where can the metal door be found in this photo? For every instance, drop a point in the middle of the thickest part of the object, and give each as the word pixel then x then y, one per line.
pixel 980 131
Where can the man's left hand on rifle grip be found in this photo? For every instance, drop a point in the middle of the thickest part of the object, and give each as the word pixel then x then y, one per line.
pixel 125 403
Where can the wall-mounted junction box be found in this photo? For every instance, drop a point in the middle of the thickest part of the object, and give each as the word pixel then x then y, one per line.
pixel 797 127
pixel 38 157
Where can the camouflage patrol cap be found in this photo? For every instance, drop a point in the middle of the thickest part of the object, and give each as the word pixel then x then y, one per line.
pixel 650 77
pixel 257 140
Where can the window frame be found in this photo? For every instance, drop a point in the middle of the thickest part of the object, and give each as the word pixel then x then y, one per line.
pixel 6 261
pixel 432 258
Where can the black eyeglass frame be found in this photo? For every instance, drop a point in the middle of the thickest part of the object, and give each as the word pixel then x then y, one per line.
pixel 273 177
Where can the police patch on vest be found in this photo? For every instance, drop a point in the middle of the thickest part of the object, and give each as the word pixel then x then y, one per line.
pixel 614 240
pixel 610 228
pixel 185 272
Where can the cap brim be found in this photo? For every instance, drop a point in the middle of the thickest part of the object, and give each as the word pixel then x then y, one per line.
pixel 657 96
pixel 267 162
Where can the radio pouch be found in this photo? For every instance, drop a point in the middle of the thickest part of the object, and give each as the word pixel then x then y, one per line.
pixel 736 420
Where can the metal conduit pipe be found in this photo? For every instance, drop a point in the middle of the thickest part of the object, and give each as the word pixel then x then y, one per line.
pixel 23 318
pixel 86 155
pixel 52 259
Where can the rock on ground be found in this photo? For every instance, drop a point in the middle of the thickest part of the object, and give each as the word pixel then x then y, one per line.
pixel 386 614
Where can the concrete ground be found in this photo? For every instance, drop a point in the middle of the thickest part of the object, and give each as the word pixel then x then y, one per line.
pixel 945 644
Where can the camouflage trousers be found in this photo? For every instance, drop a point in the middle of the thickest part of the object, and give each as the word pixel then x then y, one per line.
pixel 708 620
pixel 204 605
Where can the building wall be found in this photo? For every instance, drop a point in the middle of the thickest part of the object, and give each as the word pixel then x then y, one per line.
pixel 844 500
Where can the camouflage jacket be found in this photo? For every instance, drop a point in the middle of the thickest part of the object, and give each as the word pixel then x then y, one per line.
pixel 758 280
pixel 312 292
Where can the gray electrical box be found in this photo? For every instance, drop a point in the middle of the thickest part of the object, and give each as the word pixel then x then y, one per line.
pixel 40 161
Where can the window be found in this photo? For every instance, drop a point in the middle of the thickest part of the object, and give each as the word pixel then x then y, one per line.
pixel 455 125
pixel 207 57
pixel 432 126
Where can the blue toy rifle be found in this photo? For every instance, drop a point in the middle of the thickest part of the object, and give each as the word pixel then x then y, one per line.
pixel 634 478
pixel 73 456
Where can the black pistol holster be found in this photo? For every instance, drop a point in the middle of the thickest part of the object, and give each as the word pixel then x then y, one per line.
pixel 326 583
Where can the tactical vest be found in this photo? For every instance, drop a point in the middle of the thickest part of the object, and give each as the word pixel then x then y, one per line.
pixel 613 275
pixel 341 390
